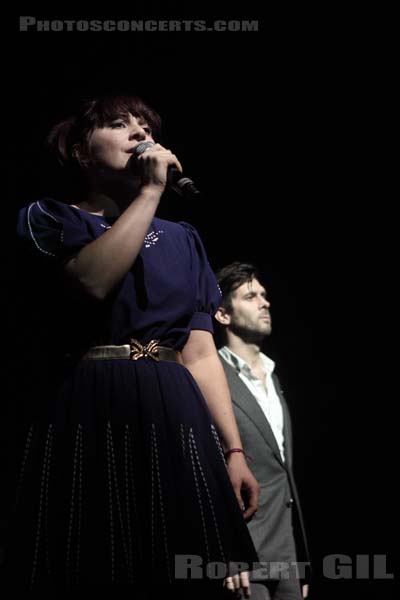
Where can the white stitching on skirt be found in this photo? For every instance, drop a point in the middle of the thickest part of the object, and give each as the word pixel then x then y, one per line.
pixel 43 507
pixel 76 473
pixel 24 460
pixel 154 458
pixel 193 442
pixel 129 479
pixel 218 442
pixel 113 476
pixel 182 430
pixel 203 520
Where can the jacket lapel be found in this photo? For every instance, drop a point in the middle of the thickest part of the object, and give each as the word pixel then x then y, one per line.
pixel 242 397
pixel 287 427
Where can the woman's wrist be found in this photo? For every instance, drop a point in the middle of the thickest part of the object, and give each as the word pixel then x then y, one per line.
pixel 152 190
pixel 236 452
pixel 231 451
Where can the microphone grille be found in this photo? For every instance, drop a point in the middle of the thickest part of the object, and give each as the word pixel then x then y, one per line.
pixel 142 147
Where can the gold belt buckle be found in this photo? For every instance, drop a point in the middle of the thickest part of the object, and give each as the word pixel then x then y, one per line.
pixel 149 350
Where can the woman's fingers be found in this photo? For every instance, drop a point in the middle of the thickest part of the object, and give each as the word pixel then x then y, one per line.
pixel 245 583
pixel 239 583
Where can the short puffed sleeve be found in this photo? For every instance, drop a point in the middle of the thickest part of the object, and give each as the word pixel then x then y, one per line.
pixel 207 291
pixel 53 230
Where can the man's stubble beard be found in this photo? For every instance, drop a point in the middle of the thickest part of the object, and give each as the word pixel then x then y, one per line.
pixel 250 336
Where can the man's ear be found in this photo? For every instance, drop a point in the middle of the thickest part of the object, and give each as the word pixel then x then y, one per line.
pixel 222 316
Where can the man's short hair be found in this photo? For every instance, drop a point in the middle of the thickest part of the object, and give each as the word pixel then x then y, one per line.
pixel 231 277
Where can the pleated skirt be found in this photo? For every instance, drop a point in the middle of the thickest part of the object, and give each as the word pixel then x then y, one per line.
pixel 123 482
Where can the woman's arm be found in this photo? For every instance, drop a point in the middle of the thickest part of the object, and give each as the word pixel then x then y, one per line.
pixel 201 359
pixel 101 265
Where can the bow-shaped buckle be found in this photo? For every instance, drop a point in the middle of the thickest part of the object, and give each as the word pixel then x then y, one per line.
pixel 149 350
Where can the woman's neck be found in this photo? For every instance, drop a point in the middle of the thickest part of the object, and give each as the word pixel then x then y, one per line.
pixel 109 198
pixel 99 205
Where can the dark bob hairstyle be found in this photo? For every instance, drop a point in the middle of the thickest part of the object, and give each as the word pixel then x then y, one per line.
pixel 69 138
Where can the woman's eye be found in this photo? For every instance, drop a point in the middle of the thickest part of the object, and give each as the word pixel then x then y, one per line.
pixel 117 124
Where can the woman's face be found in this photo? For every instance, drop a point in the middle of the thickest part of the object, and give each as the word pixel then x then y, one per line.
pixel 112 145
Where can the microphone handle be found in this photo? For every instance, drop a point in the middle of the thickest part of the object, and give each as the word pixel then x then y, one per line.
pixel 176 180
pixel 180 184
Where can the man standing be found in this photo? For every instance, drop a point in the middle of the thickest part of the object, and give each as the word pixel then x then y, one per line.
pixel 265 430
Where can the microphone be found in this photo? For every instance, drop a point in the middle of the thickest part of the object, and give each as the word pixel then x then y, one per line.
pixel 176 180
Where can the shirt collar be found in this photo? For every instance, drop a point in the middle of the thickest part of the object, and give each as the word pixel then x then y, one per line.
pixel 241 366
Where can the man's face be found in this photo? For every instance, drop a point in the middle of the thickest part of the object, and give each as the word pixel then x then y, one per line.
pixel 250 317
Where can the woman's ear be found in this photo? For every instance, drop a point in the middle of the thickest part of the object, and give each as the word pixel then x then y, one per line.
pixel 222 316
pixel 79 157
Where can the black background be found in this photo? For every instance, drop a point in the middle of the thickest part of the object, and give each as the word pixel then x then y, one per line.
pixel 274 126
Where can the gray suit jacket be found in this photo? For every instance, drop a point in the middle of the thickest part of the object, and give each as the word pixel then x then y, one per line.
pixel 271 528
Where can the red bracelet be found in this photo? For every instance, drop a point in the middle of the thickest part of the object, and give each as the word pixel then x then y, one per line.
pixel 232 450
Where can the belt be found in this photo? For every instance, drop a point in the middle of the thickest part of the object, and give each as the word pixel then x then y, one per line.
pixel 133 351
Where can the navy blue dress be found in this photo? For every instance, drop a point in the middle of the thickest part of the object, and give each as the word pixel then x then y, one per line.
pixel 122 474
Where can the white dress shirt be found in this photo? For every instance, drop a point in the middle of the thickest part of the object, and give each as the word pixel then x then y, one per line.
pixel 265 394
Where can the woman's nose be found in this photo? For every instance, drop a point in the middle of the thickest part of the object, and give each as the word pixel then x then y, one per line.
pixel 138 134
